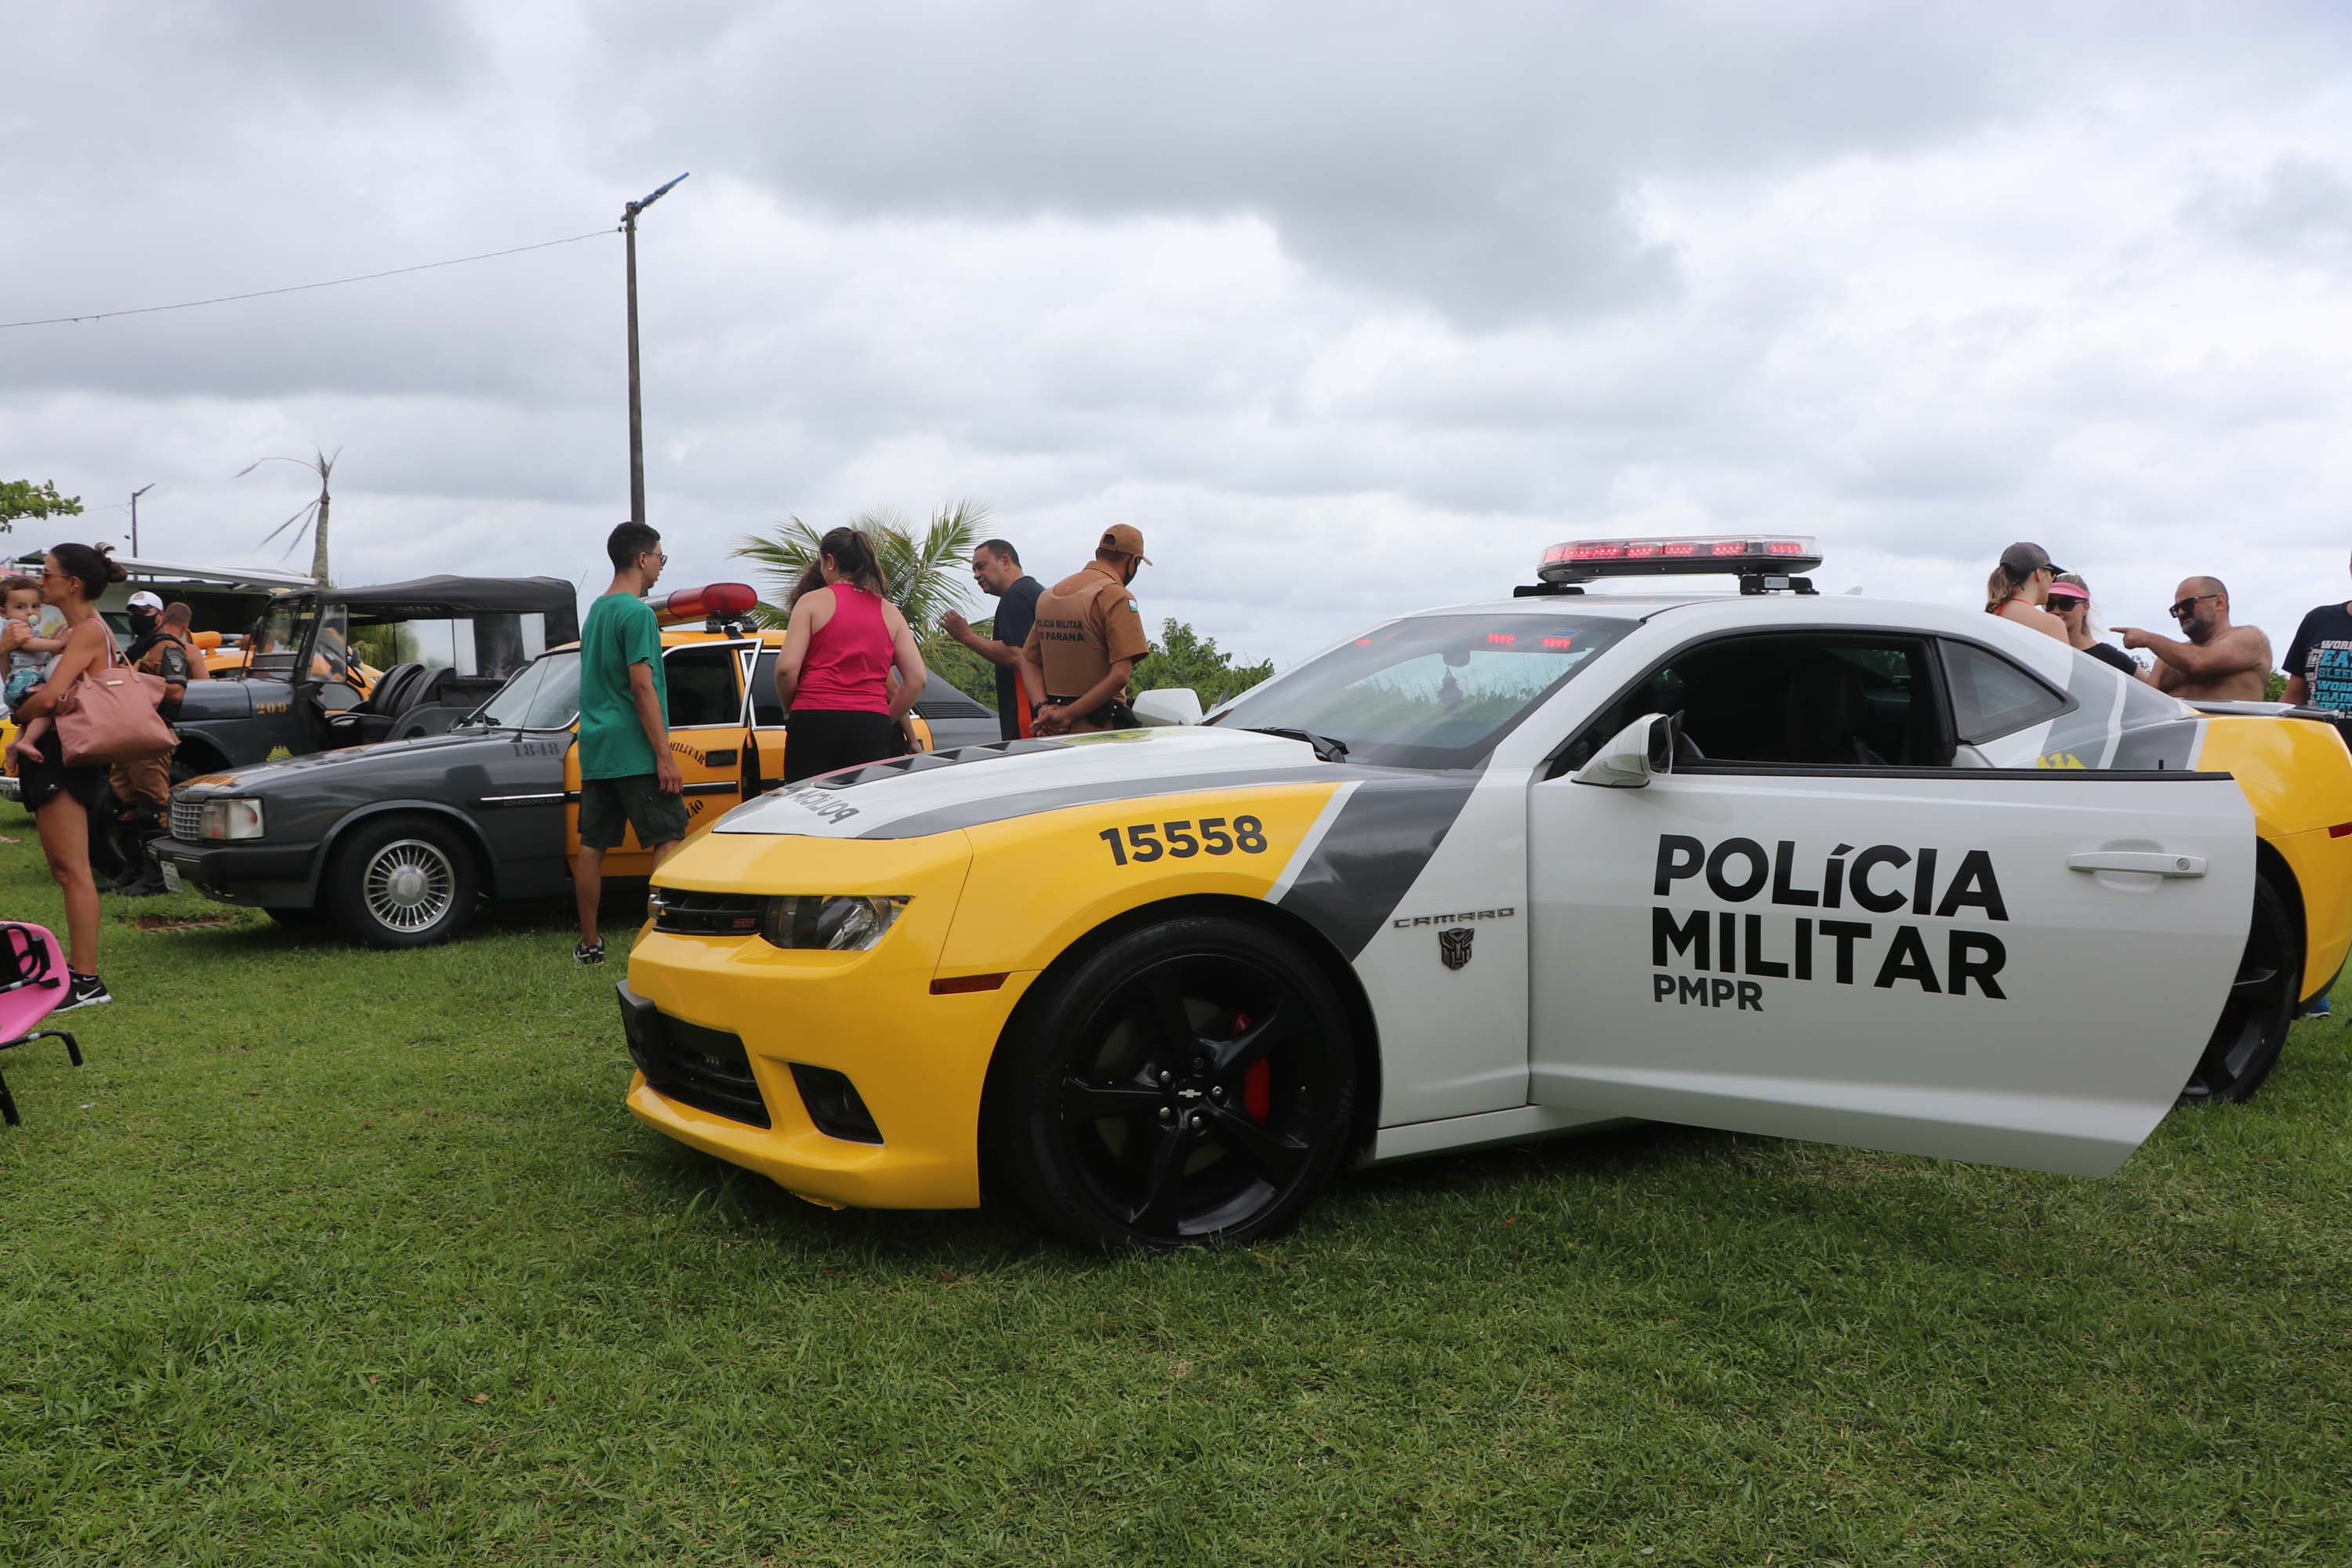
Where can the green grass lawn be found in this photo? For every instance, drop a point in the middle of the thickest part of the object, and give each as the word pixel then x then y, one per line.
pixel 333 1255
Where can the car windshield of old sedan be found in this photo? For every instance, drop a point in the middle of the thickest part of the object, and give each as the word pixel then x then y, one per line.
pixel 544 695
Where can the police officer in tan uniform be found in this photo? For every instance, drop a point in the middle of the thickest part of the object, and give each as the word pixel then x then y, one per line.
pixel 142 786
pixel 1087 640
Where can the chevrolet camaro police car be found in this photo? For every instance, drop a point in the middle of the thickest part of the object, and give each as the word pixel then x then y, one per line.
pixel 1891 875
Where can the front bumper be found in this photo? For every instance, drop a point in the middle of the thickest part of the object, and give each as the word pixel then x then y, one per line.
pixel 244 873
pixel 918 1061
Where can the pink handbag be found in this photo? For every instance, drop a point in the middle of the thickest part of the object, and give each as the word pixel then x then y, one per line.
pixel 110 716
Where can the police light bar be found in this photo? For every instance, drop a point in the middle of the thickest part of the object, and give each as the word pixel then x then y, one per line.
pixel 1743 555
pixel 713 602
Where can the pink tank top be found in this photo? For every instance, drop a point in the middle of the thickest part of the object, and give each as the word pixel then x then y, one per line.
pixel 848 661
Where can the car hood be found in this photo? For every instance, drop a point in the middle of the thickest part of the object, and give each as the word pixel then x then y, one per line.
pixel 300 770
pixel 220 697
pixel 946 791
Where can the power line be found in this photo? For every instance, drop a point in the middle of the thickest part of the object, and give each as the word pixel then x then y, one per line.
pixel 298 288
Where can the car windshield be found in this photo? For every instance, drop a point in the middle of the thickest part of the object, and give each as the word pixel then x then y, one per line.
pixel 544 695
pixel 278 637
pixel 1435 692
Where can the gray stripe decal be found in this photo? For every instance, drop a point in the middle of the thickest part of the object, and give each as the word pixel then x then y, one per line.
pixel 1373 853
pixel 1004 807
pixel 2170 745
pixel 2087 731
pixel 1305 853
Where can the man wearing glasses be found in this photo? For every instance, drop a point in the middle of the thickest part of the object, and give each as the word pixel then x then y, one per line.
pixel 2219 662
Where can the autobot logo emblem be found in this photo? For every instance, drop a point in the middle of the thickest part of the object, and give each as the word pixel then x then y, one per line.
pixel 1453 946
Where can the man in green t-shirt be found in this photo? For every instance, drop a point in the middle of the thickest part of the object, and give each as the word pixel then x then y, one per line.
pixel 628 776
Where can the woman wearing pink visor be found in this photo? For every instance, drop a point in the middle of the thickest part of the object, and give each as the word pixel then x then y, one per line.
pixel 2070 601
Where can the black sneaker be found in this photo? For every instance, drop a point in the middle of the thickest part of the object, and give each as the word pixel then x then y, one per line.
pixel 587 952
pixel 86 991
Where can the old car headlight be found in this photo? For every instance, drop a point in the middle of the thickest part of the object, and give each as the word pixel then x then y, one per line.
pixel 833 922
pixel 232 820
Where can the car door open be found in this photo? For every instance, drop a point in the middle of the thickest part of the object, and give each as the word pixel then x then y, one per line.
pixel 2019 967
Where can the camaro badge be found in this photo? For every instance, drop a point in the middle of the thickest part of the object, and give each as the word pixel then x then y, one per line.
pixel 1453 946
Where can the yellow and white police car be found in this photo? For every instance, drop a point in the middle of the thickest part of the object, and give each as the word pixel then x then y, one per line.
pixel 1891 875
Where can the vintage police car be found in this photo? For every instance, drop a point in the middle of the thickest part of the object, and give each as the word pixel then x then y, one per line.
pixel 1891 875
pixel 396 844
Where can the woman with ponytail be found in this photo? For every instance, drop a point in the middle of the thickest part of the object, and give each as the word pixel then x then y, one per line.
pixel 833 675
pixel 2020 588
pixel 62 798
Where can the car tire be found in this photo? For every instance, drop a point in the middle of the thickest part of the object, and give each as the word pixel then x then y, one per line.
pixel 1218 1057
pixel 403 882
pixel 2246 1042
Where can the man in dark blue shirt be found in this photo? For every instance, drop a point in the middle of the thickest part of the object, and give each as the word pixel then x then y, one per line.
pixel 996 567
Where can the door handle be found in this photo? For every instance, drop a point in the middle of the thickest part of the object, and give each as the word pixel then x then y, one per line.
pixel 2147 862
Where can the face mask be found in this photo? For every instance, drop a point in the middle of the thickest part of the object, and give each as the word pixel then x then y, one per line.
pixel 141 622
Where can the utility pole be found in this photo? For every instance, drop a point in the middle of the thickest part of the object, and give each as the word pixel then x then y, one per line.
pixel 141 491
pixel 636 415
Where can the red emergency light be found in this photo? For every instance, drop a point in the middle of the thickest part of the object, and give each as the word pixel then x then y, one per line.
pixel 711 602
pixel 1765 560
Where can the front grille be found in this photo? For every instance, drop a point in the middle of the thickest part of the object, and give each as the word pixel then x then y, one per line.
pixel 690 913
pixel 187 820
pixel 707 1068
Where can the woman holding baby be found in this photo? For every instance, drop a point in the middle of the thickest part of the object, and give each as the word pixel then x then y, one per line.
pixel 62 798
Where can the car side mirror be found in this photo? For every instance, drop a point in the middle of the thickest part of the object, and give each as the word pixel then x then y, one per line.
pixel 1636 754
pixel 1168 705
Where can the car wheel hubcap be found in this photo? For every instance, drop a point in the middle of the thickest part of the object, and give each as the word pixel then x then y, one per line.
pixel 1189 1104
pixel 409 885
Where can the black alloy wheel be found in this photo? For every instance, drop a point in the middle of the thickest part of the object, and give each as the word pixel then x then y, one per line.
pixel 1192 1081
pixel 2252 1029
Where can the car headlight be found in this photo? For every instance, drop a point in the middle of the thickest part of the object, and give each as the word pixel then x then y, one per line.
pixel 231 820
pixel 831 922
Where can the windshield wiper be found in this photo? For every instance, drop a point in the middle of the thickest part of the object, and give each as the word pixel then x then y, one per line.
pixel 1327 750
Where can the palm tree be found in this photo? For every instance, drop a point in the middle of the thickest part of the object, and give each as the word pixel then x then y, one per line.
pixel 313 512
pixel 929 575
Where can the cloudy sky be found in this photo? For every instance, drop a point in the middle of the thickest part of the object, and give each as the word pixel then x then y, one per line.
pixel 1350 309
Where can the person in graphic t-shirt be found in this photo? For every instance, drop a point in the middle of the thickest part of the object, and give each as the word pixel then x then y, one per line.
pixel 2070 601
pixel 2319 660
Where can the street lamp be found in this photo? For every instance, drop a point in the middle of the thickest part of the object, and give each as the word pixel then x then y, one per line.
pixel 636 416
pixel 141 491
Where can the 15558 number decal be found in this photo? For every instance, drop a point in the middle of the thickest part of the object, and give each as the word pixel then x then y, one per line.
pixel 1145 842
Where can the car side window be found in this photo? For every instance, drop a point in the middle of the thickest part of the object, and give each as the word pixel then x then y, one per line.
pixel 701 683
pixel 1991 697
pixel 767 711
pixel 1791 700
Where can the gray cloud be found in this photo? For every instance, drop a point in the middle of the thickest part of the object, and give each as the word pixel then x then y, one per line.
pixel 1355 309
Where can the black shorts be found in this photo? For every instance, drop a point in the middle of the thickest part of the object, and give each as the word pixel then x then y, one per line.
pixel 610 807
pixel 819 740
pixel 40 782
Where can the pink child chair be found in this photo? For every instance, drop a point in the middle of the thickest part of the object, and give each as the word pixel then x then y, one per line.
pixel 32 983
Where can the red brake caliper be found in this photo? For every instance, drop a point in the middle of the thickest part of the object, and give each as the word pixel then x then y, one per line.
pixel 1257 1078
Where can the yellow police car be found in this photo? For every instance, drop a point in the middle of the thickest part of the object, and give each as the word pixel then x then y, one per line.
pixel 1897 876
